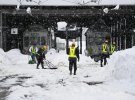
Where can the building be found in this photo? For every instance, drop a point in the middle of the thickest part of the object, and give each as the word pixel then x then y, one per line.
pixel 17 17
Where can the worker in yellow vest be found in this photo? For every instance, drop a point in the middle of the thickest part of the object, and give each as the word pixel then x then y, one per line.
pixel 33 51
pixel 112 48
pixel 73 53
pixel 104 52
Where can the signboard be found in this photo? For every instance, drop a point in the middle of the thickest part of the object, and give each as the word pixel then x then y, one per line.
pixel 14 30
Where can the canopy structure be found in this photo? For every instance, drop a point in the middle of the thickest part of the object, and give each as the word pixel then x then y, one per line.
pixel 67 2
pixel 117 18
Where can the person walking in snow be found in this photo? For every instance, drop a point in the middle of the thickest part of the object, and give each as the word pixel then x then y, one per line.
pixel 73 53
pixel 40 58
pixel 104 52
pixel 33 51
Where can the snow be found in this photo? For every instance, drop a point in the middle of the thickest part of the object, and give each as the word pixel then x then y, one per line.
pixel 67 2
pixel 122 63
pixel 24 82
pixel 61 26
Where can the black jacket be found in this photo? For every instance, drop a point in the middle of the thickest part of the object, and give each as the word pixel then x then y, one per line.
pixel 40 54
pixel 76 52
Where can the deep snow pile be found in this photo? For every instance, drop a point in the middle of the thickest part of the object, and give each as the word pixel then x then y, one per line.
pixel 16 57
pixel 4 58
pixel 13 56
pixel 121 64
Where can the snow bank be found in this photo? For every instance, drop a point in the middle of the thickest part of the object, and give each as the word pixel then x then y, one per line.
pixel 122 65
pixel 13 56
pixel 16 57
pixel 3 57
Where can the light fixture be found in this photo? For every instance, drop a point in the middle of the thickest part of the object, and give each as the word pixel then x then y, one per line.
pixel 106 10
pixel 28 10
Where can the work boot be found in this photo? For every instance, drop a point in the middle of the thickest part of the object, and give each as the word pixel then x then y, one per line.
pixel 74 72
pixel 37 67
pixel 43 67
pixel 101 65
pixel 70 72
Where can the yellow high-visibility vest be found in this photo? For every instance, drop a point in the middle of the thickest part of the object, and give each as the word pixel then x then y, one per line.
pixel 72 52
pixel 104 48
pixel 113 48
pixel 33 50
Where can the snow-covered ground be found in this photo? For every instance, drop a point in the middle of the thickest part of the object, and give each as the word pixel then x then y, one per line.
pixel 22 81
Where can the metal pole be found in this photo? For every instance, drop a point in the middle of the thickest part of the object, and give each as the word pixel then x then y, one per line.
pixel 111 35
pixel 120 42
pixel 117 43
pixel 66 38
pixel 55 45
pixel 49 38
pixel 1 29
pixel 81 41
pixel 125 41
pixel 86 41
pixel 50 45
pixel 132 40
pixel 117 26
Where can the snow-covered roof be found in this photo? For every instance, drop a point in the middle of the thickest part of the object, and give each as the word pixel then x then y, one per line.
pixel 67 2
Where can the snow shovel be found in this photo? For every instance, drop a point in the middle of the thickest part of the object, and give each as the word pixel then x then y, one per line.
pixel 49 64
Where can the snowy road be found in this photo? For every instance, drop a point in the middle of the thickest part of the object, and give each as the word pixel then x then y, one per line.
pixel 22 81
pixel 27 83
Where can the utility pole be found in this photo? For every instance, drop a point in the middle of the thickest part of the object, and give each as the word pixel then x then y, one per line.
pixel 66 38
pixel 81 40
